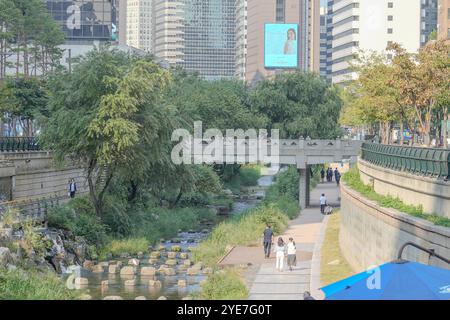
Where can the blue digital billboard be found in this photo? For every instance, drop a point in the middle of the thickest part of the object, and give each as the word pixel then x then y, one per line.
pixel 280 45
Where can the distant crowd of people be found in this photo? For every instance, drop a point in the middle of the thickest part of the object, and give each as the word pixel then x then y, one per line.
pixel 329 175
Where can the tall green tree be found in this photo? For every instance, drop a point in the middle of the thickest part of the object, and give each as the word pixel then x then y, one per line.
pixel 108 115
pixel 24 100
pixel 30 35
pixel 299 104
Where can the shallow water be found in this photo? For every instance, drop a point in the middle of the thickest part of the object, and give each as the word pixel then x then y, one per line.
pixel 169 289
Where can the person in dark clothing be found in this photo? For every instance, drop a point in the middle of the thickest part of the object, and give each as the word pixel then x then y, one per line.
pixel 307 296
pixel 330 175
pixel 72 188
pixel 322 174
pixel 336 174
pixel 267 241
pixel 338 178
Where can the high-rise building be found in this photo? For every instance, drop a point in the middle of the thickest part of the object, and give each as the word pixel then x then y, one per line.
pixel 323 42
pixel 139 24
pixel 304 14
pixel 198 35
pixel 83 21
pixel 241 38
pixel 122 22
pixel 428 19
pixel 168 35
pixel 329 39
pixel 369 25
pixel 444 19
pixel 209 38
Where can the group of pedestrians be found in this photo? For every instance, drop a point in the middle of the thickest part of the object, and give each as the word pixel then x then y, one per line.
pixel 281 249
pixel 329 175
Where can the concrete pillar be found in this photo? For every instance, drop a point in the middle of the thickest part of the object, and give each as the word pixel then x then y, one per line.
pixel 303 192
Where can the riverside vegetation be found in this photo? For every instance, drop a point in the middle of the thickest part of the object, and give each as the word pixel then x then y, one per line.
pixel 279 206
pixel 114 115
pixel 353 179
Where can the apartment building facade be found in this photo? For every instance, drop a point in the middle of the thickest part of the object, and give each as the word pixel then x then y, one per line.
pixel 444 19
pixel 366 25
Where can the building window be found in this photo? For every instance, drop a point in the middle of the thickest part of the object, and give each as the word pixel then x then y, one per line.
pixel 390 18
pixel 390 5
pixel 280 11
pixel 390 31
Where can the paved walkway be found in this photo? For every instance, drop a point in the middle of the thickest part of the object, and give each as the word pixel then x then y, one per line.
pixel 269 284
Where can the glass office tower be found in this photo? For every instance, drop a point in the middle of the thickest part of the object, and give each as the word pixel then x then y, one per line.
pixel 83 20
pixel 209 38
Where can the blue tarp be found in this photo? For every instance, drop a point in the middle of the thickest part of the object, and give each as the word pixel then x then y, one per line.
pixel 397 281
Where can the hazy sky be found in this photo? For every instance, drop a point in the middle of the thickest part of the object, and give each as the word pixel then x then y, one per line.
pixel 323 3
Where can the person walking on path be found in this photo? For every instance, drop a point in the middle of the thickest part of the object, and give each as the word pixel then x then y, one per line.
pixel 72 188
pixel 337 176
pixel 322 174
pixel 267 241
pixel 323 203
pixel 280 250
pixel 291 254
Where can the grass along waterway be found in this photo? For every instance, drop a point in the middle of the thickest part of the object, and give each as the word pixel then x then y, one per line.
pixel 175 281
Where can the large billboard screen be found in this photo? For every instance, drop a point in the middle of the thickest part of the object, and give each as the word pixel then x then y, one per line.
pixel 281 45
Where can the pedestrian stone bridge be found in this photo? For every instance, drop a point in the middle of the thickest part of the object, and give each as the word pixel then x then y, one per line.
pixel 299 152
pixel 304 153
pixel 25 154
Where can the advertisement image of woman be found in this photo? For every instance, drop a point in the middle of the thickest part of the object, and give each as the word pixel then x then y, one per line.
pixel 289 46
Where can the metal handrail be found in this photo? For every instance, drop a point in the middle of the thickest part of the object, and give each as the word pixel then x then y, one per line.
pixel 431 252
pixel 8 144
pixel 424 161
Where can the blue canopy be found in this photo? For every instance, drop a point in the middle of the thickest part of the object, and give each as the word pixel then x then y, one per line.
pixel 398 281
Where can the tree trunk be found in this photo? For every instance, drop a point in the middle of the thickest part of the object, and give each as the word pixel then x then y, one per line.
pixel 445 127
pixel 177 199
pixel 132 191
pixel 427 137
pixel 402 128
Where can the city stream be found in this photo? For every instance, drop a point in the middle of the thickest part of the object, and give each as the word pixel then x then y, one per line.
pixel 175 277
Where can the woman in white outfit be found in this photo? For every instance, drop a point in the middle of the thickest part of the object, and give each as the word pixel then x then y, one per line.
pixel 280 250
pixel 291 254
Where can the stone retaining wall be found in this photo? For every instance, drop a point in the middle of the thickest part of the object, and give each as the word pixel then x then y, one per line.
pixel 51 182
pixel 371 235
pixel 432 194
pixel 34 175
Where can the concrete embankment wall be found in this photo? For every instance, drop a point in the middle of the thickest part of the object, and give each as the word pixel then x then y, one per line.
pixel 371 235
pixel 432 194
pixel 35 175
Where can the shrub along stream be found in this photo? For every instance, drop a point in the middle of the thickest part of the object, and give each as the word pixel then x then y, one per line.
pixel 279 206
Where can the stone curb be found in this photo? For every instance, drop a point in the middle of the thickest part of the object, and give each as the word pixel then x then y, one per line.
pixel 314 282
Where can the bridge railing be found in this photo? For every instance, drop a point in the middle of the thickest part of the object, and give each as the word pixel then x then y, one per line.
pixel 424 161
pixel 8 144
